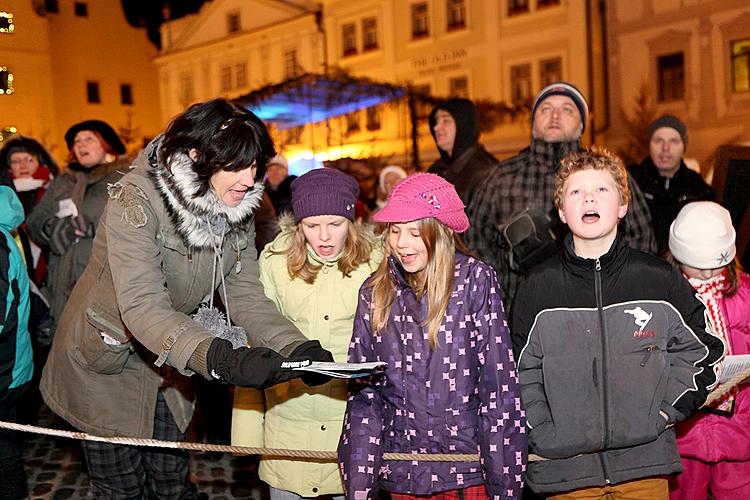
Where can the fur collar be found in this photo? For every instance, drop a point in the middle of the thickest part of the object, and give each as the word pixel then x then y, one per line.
pixel 203 221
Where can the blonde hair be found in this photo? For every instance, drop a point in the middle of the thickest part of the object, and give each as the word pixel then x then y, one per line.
pixel 596 158
pixel 437 277
pixel 357 250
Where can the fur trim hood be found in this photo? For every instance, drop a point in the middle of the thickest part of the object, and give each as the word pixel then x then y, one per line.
pixel 202 221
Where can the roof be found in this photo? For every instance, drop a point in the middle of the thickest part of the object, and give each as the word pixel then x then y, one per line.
pixel 311 98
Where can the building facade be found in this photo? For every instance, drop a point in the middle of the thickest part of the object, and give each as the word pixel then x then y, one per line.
pixel 499 51
pixel 65 61
pixel 692 57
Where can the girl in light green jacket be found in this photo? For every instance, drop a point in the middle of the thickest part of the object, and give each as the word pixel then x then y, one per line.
pixel 312 271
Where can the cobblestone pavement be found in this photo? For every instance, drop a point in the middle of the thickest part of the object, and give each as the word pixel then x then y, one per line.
pixel 55 469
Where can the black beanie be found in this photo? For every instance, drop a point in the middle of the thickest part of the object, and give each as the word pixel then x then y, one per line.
pixel 464 114
pixel 669 121
pixel 107 133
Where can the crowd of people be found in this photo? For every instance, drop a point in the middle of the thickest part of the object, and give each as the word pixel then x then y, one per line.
pixel 556 319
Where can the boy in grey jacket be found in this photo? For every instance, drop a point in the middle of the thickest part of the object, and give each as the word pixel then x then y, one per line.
pixel 613 349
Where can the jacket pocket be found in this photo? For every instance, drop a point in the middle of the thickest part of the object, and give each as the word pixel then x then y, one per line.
pixel 104 347
pixel 461 435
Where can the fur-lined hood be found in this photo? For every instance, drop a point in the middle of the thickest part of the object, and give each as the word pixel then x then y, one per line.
pixel 203 221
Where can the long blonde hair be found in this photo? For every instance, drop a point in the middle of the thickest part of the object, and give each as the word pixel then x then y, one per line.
pixel 437 277
pixel 357 250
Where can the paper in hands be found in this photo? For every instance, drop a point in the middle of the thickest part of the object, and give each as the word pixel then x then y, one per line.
pixel 344 370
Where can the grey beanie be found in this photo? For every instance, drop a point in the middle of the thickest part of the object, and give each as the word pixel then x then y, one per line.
pixel 670 121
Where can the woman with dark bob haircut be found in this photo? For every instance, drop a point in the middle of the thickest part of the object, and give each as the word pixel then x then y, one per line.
pixel 177 228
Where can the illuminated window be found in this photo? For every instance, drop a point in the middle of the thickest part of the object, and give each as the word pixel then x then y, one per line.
pixel 92 93
pixel 741 65
pixel 126 93
pixel 550 70
pixel 349 39
pixel 456 15
pixel 420 21
pixel 6 81
pixel 226 78
pixel 352 122
pixel 233 22
pixel 458 87
pixel 520 83
pixel 6 22
pixel 671 77
pixel 369 33
pixel 291 65
pixel 240 75
pixel 517 7
pixel 81 9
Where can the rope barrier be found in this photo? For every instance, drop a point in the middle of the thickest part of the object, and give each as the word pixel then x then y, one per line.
pixel 282 453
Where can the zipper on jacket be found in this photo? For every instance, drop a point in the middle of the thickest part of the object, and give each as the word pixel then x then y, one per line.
pixel 605 384
pixel 647 355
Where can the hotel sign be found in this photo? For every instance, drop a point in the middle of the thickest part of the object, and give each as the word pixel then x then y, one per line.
pixel 442 61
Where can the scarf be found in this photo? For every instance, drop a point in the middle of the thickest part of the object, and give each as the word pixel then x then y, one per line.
pixel 710 292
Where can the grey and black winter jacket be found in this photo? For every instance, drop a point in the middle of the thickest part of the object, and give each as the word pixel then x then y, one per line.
pixel 610 352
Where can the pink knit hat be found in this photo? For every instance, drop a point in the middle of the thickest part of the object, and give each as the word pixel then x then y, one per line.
pixel 420 196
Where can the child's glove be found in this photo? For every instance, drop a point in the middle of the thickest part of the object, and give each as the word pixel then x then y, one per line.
pixel 315 352
pixel 256 367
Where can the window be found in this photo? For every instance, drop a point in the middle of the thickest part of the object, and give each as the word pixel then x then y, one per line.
pixel 369 33
pixel 6 22
pixel 6 81
pixel 550 70
pixel 352 122
pixel 741 65
pixel 225 78
pixel 546 3
pixel 92 93
pixel 458 87
pixel 81 9
pixel 292 67
pixel 126 93
pixel 520 83
pixel 671 77
pixel 294 135
pixel 349 39
pixel 373 118
pixel 240 75
pixel 420 21
pixel 233 22
pixel 456 15
pixel 186 89
pixel 52 6
pixel 516 7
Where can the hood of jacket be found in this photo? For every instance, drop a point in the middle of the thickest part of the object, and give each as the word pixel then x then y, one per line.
pixel 467 126
pixel 11 216
pixel 201 221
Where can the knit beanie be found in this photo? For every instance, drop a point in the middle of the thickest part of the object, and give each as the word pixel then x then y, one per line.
pixel 324 191
pixel 108 134
pixel 421 196
pixel 670 121
pixel 390 169
pixel 568 90
pixel 702 236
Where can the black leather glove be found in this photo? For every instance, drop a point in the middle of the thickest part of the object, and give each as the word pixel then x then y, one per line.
pixel 313 351
pixel 256 367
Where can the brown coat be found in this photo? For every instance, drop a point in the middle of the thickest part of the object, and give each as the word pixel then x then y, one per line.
pixel 143 282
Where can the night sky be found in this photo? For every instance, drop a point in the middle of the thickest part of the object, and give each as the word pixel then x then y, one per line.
pixel 150 13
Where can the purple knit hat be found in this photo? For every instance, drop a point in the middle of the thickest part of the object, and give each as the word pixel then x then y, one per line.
pixel 324 191
pixel 420 196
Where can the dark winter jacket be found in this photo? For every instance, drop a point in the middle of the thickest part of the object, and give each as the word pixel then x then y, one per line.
pixel 281 197
pixel 665 196
pixel 611 351
pixel 469 164
pixel 458 397
pixel 527 181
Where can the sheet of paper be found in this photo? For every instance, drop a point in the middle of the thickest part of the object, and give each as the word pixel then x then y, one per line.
pixel 66 208
pixel 733 366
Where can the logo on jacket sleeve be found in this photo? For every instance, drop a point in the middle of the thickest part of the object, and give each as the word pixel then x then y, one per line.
pixel 641 319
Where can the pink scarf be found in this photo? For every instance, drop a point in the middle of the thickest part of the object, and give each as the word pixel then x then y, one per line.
pixel 710 292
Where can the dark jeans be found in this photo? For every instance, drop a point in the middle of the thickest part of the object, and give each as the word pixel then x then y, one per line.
pixel 122 472
pixel 12 476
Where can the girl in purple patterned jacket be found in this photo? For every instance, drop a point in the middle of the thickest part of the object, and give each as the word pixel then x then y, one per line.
pixel 435 315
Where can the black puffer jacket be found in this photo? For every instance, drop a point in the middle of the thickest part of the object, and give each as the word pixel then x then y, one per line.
pixel 666 196
pixel 610 351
